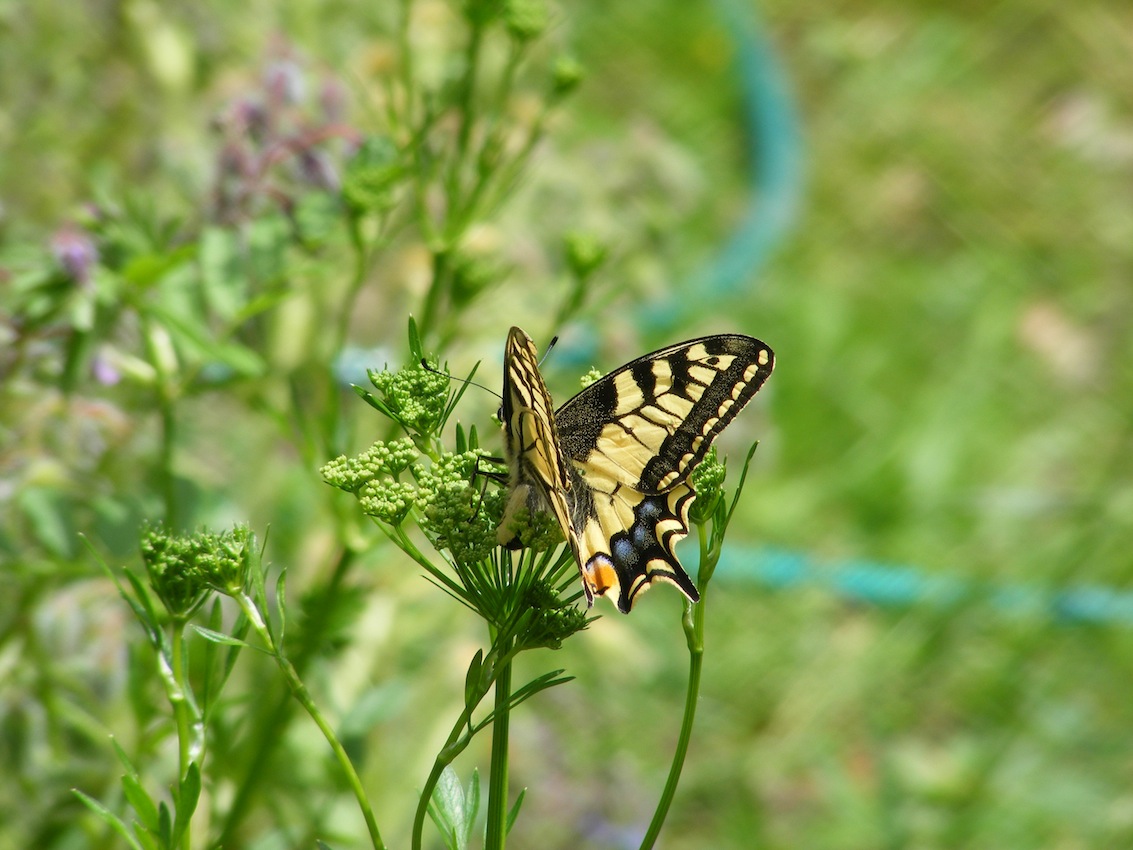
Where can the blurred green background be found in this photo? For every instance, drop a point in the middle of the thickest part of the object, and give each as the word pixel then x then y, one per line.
pixel 951 311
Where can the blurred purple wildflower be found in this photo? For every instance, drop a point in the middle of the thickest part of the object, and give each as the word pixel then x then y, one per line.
pixel 75 253
pixel 104 372
pixel 285 82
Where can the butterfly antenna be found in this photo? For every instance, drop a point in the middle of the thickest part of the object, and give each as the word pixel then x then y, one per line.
pixel 466 381
pixel 547 350
pixel 485 476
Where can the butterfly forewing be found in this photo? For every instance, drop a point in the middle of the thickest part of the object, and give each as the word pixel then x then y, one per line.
pixel 612 463
pixel 538 472
pixel 650 422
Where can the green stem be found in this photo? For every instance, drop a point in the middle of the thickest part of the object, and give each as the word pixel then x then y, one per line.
pixel 436 290
pixel 269 722
pixel 467 90
pixel 498 773
pixel 181 714
pixel 457 740
pixel 693 622
pixel 300 692
pixel 168 439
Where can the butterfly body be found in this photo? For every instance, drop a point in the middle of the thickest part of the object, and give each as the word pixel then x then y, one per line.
pixel 612 464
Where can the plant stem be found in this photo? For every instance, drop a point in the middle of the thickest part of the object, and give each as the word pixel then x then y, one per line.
pixel 457 740
pixel 498 773
pixel 300 692
pixel 693 622
pixel 168 438
pixel 181 710
pixel 270 721
pixel 436 290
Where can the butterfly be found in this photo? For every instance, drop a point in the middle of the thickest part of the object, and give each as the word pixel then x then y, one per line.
pixel 612 464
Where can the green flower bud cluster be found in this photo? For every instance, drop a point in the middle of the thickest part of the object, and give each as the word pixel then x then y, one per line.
pixel 354 473
pixel 387 500
pixel 182 569
pixel 591 377
pixel 415 396
pixel 457 515
pixel 707 480
pixel 372 175
pixel 554 620
pixel 538 532
pixel 584 253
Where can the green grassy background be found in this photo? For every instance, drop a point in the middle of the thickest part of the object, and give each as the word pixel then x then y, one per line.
pixel 951 315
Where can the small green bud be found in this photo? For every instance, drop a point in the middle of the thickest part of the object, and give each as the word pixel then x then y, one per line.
pixel 525 19
pixel 566 74
pixel 172 571
pixel 584 253
pixel 227 558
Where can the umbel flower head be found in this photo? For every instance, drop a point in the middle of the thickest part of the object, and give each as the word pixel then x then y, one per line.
pixel 416 397
pixel 456 515
pixel 381 459
pixel 182 569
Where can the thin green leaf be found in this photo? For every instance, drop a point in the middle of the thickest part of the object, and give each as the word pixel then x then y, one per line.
pixel 464 385
pixel 471 805
pixel 123 759
pixel 472 677
pixel 187 794
pixel 210 685
pixel 415 347
pixel 446 808
pixel 141 802
pixel 513 813
pixel 222 638
pixel 742 481
pixel 111 819
pixel 239 631
pixel 164 825
pixel 374 402
pixel 281 603
pixel 542 683
pixel 141 603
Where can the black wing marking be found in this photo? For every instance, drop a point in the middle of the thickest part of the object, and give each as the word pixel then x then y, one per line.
pixel 654 419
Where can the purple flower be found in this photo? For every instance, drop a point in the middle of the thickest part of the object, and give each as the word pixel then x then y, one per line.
pixel 105 372
pixel 318 170
pixel 285 82
pixel 75 253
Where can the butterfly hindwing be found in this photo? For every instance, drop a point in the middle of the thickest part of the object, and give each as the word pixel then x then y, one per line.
pixel 612 463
